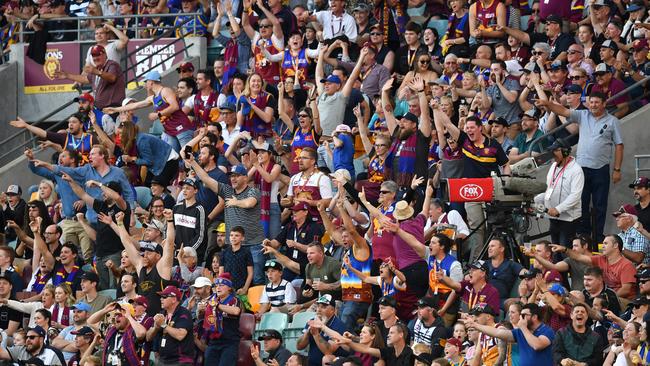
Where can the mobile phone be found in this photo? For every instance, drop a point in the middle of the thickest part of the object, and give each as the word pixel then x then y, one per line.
pixel 188 152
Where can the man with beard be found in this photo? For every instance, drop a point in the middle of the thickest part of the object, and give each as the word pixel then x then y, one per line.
pixel 152 262
pixel 576 343
pixel 481 156
pixel 498 128
pixel 310 185
pixel 641 188
pixel 65 341
pixel 522 147
pixel 204 101
pixel 87 106
pixel 124 338
pixel 34 348
pixel 75 139
pixel 410 150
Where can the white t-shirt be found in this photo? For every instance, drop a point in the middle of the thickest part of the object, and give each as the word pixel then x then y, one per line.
pixel 334 26
pixel 320 180
pixel 111 51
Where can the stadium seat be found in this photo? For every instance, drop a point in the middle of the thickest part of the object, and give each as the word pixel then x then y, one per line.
pixel 301 319
pixel 524 22
pixel 277 321
pixel 244 357
pixel 440 25
pixel 291 334
pixel 111 292
pixel 254 294
pixel 515 289
pixel 246 325
pixel 143 195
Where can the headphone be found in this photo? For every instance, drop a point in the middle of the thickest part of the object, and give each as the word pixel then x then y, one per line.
pixel 566 151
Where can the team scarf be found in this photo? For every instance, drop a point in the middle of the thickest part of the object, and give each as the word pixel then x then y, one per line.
pixel 231 55
pixel 40 281
pixel 407 154
pixel 213 320
pixel 65 316
pixel 202 110
pixel 457 31
pixel 129 351
pixel 63 277
pixel 265 202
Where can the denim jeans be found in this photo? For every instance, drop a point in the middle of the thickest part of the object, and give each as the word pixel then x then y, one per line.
pixel 324 159
pixel 176 142
pixel 275 225
pixel 259 277
pixel 224 354
pixel 351 311
pixel 596 191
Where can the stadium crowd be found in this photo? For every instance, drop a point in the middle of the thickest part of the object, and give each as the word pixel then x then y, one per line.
pixel 298 184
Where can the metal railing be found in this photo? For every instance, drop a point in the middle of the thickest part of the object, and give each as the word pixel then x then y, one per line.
pixel 610 99
pixel 32 141
pixel 136 27
pixel 637 164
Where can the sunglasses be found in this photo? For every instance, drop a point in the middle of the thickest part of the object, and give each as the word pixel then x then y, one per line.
pixel 535 11
pixel 538 53
pixel 425 61
pixel 266 26
pixel 599 74
pixel 573 52
pixel 32 337
pixel 636 306
pixel 597 7
pixel 575 77
pixel 376 34
pixel 385 192
pixel 378 145
pixel 303 115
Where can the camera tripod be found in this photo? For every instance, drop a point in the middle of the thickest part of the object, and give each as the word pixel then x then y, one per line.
pixel 500 221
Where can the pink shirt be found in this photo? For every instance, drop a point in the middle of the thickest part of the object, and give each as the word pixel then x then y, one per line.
pixel 407 256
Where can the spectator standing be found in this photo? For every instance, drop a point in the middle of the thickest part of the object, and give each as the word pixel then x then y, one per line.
pixel 641 188
pixel 190 220
pixel 204 103
pixel 310 186
pixel 221 323
pixel 594 156
pixel 179 130
pixel 243 209
pixel 89 283
pixel 172 330
pixel 237 261
pixel 476 289
pixel 564 182
pixel 13 207
pixel 10 319
pixel 114 48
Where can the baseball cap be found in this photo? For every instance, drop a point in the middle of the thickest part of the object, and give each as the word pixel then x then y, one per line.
pixel 265 146
pixel 128 307
pixel 272 264
pixel 425 357
pixel 643 275
pixel 140 300
pixel 479 264
pixel 599 3
pixel 85 97
pixel 426 301
pixel 6 275
pixel 224 279
pixel 640 44
pixel 610 44
pixel 482 308
pixel 441 81
pixel 127 100
pixel 411 117
pixel 602 68
pixel 39 330
pixel 530 67
pixel 326 299
pixel 642 182
pixel 557 289
pixel 270 334
pixel 331 79
pixel 361 7
pixel 532 113
pixel 554 19
pixel 170 291
pixel 342 175
pixel 499 121
pixel 532 273
pixel 185 66
pixel 388 301
pixel 221 228
pixel 553 276
pixel 455 342
pixel 626 209
pixel 152 75
pixel 641 300
pixel 238 169
pixel 573 89
pixel 97 50
pixel 192 182
pixel 342 128
pixel 14 189
pixel 300 206
pixel 202 282
pixel 82 306
pixel 83 331
pixel 90 276
pixel 227 107
pixel 635 6
pixel 558 65
pixel 147 246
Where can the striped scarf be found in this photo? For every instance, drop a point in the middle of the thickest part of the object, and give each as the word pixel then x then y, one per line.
pixel 65 316
pixel 213 321
pixel 128 351
pixel 406 164
pixel 265 202
pixel 63 277
pixel 40 281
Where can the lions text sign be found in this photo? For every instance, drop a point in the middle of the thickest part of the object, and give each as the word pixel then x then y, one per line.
pixel 63 56
pixel 154 55
pixel 470 190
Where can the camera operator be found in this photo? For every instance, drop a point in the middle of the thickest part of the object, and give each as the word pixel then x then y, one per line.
pixel 481 156
pixel 561 200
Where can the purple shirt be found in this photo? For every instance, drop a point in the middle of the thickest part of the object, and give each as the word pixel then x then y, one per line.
pixel 408 256
pixel 488 294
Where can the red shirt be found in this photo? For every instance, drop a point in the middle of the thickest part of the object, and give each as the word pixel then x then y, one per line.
pixel 616 274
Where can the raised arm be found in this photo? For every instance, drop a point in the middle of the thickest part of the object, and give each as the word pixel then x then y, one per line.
pixel 122 39
pixel 36 131
pixel 110 194
pixel 347 89
pixel 443 120
pixel 391 122
pixel 582 258
pixel 556 108
pixel 164 265
pixel 203 176
pixel 320 73
pixel 130 245
pixel 78 190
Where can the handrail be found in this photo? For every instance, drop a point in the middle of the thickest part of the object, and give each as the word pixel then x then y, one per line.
pixel 617 95
pixel 79 29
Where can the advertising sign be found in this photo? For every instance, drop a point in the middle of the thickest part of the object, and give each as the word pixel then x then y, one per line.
pixel 162 59
pixel 63 56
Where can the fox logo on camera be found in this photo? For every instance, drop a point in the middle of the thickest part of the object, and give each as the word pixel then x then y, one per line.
pixel 470 191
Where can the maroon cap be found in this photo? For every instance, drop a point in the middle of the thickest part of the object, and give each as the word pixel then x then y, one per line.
pixel 640 44
pixel 553 276
pixel 140 300
pixel 97 50
pixel 300 206
pixel 170 291
pixel 185 66
pixel 455 342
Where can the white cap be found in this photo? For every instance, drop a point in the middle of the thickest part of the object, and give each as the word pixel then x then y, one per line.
pixel 127 100
pixel 202 282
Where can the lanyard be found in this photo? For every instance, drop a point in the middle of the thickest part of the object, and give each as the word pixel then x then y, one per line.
pixel 409 58
pixel 556 177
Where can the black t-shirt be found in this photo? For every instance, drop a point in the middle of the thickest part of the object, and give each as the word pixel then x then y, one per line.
pixel 403 56
pixel 480 161
pixel 405 358
pixel 644 215
pixel 77 8
pixel 610 295
pixel 235 263
pixel 149 284
pixel 54 28
pixel 7 314
pixel 287 19
pixel 171 350
pixel 354 99
pixel 108 242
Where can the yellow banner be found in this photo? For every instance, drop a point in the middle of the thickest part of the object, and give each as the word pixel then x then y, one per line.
pixel 37 89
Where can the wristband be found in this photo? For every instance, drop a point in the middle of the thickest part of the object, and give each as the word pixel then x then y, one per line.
pixel 170 220
pixel 617 169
